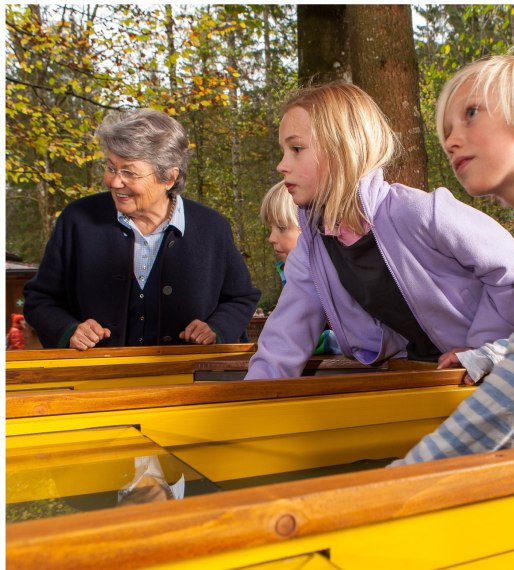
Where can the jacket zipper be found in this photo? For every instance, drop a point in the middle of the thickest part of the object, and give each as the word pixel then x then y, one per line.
pixel 380 249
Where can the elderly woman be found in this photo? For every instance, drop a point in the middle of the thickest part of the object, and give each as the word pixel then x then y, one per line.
pixel 139 264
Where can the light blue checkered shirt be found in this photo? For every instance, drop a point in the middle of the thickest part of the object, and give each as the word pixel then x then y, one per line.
pixel 147 247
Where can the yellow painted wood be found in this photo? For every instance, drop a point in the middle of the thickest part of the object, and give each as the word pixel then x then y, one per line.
pixel 238 459
pixel 433 540
pixel 248 439
pixel 79 439
pixel 473 537
pixel 500 561
pixel 308 562
pixel 186 425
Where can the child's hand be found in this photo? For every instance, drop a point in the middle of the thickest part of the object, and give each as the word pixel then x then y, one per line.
pixel 449 359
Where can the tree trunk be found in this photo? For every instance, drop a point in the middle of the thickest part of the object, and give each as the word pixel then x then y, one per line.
pixel 270 122
pixel 323 53
pixel 170 36
pixel 384 64
pixel 238 221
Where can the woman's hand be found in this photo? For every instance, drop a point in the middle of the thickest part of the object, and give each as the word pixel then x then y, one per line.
pixel 198 332
pixel 88 334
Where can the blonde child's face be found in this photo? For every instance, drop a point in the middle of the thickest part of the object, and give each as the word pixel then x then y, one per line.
pixel 299 165
pixel 480 145
pixel 283 240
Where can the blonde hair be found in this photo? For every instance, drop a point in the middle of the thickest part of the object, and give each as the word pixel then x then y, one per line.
pixel 492 77
pixel 278 207
pixel 352 134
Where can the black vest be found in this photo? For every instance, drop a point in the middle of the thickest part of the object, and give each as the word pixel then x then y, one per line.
pixel 364 274
pixel 143 310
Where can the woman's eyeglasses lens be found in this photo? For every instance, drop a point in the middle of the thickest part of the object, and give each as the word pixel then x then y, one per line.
pixel 126 175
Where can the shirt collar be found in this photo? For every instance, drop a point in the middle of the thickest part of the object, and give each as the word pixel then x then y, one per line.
pixel 177 219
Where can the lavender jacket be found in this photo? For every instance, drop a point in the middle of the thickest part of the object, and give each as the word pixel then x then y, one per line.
pixel 453 264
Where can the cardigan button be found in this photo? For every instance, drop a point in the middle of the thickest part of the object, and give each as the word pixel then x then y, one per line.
pixel 166 339
pixel 167 290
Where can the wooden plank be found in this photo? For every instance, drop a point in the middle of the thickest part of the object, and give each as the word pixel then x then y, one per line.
pixel 240 362
pixel 96 372
pixel 63 353
pixel 235 367
pixel 48 373
pixel 68 401
pixel 198 527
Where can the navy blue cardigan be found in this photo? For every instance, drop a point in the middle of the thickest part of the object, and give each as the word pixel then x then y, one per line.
pixel 86 273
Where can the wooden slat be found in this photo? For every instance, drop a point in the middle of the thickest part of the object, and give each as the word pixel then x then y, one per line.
pixel 240 362
pixel 35 403
pixel 85 372
pixel 146 535
pixel 63 353
pixel 235 367
pixel 105 371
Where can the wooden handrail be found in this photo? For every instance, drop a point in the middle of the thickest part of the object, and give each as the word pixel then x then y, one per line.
pixel 34 375
pixel 97 372
pixel 33 403
pixel 152 534
pixel 63 353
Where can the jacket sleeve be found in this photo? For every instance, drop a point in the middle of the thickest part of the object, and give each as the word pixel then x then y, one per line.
pixel 238 297
pixel 483 246
pixel 46 298
pixel 293 328
pixel 483 422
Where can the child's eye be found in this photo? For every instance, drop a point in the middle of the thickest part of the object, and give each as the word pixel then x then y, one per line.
pixel 297 149
pixel 471 112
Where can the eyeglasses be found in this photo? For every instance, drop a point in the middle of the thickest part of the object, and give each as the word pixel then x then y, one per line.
pixel 125 175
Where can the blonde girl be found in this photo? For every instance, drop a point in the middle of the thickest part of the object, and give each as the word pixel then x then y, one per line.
pixel 398 272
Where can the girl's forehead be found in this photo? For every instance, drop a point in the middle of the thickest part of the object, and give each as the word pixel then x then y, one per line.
pixel 296 121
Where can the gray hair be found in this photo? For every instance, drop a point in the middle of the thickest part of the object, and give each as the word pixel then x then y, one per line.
pixel 149 135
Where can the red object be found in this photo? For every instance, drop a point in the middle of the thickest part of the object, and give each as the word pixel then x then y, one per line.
pixel 15 337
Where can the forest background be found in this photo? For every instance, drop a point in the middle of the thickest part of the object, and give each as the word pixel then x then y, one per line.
pixel 223 72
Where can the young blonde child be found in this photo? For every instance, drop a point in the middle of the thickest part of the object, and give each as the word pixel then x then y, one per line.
pixel 475 120
pixel 396 271
pixel 279 211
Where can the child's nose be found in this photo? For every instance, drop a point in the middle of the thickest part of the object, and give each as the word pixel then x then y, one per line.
pixel 452 141
pixel 281 167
